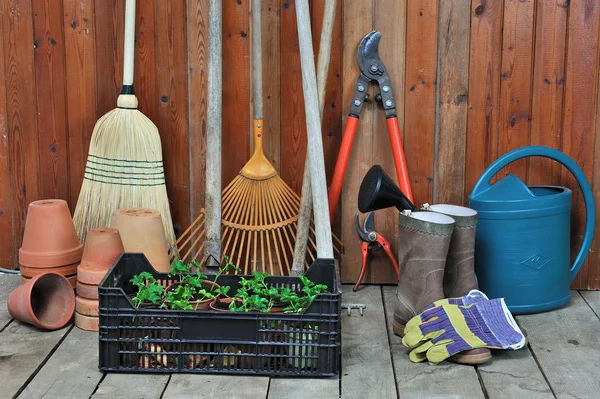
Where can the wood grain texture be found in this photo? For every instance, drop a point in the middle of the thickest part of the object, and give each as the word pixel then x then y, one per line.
pixel 548 87
pixel 216 386
pixel 293 118
pixel 173 122
pixel 72 369
pixel 453 83
pixel 271 69
pixel 392 51
pixel 357 22
pixel 80 50
pixel 8 249
pixel 144 69
pixel 579 120
pixel 515 81
pixel 197 28
pixel 27 347
pixel 296 388
pixel 420 89
pixel 110 23
pixel 21 109
pixel 8 283
pixel 147 386
pixel 51 95
pixel 593 279
pixel 236 93
pixel 484 89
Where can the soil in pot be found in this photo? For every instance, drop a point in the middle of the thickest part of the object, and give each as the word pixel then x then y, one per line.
pixel 222 304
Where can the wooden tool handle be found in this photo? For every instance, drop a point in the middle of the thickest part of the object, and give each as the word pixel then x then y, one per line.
pixel 129 50
pixel 257 95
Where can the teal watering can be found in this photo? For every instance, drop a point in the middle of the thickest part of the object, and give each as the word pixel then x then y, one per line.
pixel 522 244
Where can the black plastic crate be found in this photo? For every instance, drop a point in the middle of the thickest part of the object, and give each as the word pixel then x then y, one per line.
pixel 206 341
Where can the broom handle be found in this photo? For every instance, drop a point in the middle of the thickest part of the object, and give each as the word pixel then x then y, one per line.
pixel 257 95
pixel 313 129
pixel 306 200
pixel 129 51
pixel 212 246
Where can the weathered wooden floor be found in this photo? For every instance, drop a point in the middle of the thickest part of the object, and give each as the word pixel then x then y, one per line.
pixel 561 361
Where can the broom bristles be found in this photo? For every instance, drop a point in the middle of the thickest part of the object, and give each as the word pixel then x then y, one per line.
pixel 124 169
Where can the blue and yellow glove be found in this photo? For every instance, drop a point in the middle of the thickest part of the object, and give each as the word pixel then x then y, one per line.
pixel 445 330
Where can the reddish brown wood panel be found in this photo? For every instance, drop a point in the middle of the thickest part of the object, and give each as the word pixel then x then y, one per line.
pixel 420 94
pixel 484 89
pixel 7 236
pixel 173 123
pixel 50 91
pixel 515 81
pixel 579 117
pixel 548 88
pixel 453 86
pixel 80 51
pixel 236 93
pixel 21 108
pixel 144 77
pixel 293 120
pixel 197 28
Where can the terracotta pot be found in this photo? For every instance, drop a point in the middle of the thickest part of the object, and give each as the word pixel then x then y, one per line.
pixel 87 291
pixel 203 304
pixel 50 238
pixel 47 301
pixel 88 323
pixel 72 280
pixel 67 270
pixel 142 231
pixel 222 304
pixel 86 307
pixel 102 248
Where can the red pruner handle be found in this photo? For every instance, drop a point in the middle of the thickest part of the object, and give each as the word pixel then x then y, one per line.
pixel 399 159
pixel 365 253
pixel 388 250
pixel 341 164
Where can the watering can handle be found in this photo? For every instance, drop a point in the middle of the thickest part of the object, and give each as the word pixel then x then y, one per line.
pixel 541 151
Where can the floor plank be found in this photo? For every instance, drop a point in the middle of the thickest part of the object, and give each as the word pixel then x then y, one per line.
pixel 420 380
pixel 8 282
pixel 593 300
pixel 131 386
pixel 366 361
pixel 71 372
pixel 295 388
pixel 216 386
pixel 23 348
pixel 514 374
pixel 566 343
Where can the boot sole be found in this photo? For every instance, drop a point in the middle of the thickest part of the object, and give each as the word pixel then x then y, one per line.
pixel 471 359
pixel 398 328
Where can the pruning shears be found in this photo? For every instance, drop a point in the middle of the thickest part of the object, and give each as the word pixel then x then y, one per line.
pixel 373 70
pixel 372 241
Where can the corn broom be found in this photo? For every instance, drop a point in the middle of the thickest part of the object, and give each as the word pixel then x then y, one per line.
pixel 124 167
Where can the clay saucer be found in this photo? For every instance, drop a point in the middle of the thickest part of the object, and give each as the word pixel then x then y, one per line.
pixel 88 323
pixel 87 291
pixel 86 307
pixel 34 271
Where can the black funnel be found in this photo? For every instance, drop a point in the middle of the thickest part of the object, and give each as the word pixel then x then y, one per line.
pixel 378 191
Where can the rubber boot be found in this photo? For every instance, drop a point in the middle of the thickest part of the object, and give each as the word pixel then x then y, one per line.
pixel 459 274
pixel 423 242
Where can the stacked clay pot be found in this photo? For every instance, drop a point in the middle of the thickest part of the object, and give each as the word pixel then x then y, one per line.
pixel 50 242
pixel 102 248
pixel 142 231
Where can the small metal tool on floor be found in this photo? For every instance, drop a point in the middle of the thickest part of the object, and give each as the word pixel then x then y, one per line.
pixel 350 306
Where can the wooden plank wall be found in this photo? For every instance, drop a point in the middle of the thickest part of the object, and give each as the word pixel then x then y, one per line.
pixel 473 79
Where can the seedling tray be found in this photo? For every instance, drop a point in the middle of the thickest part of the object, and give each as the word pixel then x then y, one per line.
pixel 207 341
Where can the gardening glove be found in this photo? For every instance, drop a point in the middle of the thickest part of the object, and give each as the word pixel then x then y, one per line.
pixel 443 331
pixel 472 297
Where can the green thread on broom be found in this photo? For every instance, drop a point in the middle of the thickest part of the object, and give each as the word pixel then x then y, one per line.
pixel 122 184
pixel 123 177
pixel 125 166
pixel 125 172
pixel 123 160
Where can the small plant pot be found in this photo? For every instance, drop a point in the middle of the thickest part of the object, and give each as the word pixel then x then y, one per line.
pixel 222 304
pixel 88 323
pixel 50 238
pixel 67 270
pixel 141 230
pixel 86 307
pixel 47 301
pixel 72 279
pixel 102 248
pixel 87 291
pixel 277 307
pixel 203 304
